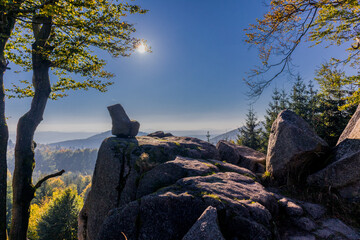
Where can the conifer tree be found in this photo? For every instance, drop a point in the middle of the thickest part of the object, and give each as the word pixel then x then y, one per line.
pixel 60 220
pixel 250 134
pixel 279 102
pixel 312 101
pixel 284 102
pixel 332 97
pixel 298 98
pixel 208 136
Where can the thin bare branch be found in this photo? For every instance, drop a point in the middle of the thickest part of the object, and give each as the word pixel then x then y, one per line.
pixel 41 181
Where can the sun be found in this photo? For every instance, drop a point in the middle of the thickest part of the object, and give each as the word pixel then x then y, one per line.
pixel 141 48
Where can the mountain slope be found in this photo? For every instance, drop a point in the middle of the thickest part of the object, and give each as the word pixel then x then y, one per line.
pixel 90 142
pixel 231 135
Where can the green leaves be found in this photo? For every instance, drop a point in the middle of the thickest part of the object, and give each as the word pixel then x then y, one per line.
pixel 79 30
pixel 290 22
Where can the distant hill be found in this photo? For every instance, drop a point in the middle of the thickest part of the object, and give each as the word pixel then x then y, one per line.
pixel 90 142
pixel 231 135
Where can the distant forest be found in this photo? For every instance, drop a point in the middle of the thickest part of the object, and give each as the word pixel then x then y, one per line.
pixel 51 159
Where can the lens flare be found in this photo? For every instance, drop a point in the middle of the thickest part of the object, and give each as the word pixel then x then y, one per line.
pixel 141 48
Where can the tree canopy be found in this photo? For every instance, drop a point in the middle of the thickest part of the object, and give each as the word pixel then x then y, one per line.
pixel 77 29
pixel 289 22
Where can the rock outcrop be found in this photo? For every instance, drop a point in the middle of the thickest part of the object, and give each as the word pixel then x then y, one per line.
pixel 166 187
pixel 242 156
pixel 294 149
pixel 343 174
pixel 120 166
pixel 122 126
pixel 140 188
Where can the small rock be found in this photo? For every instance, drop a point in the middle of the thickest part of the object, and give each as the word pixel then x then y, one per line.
pixel 304 237
pixel 316 211
pixel 122 126
pixel 304 223
pixel 291 208
pixel 160 134
pixel 242 156
pixel 323 233
pixel 337 226
pixel 352 130
pixel 228 167
pixel 206 227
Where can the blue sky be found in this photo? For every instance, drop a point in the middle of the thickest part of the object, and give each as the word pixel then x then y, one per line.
pixel 193 80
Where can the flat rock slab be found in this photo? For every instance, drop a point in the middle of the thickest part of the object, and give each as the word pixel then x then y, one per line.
pixel 336 229
pixel 242 156
pixel 243 207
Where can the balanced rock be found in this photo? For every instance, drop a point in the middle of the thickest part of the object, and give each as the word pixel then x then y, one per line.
pixel 242 156
pixel 294 149
pixel 122 126
pixel 343 174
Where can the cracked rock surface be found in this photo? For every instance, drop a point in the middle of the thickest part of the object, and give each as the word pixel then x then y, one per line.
pixel 175 188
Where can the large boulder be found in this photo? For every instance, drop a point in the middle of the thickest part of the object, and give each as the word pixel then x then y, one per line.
pixel 294 149
pixel 242 156
pixel 343 174
pixel 119 167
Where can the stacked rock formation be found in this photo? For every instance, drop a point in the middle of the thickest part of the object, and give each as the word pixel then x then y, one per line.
pixel 167 187
pixel 122 126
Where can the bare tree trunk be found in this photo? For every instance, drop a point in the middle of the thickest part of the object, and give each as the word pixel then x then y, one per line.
pixel 23 188
pixel 6 26
pixel 4 136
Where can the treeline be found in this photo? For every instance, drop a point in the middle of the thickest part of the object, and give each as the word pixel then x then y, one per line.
pixel 55 208
pixel 49 159
pixel 326 110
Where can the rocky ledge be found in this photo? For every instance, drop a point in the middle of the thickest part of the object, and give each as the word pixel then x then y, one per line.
pixel 166 187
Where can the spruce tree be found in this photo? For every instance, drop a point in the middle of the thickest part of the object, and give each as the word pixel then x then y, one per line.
pixel 208 136
pixel 279 102
pixel 60 220
pixel 332 97
pixel 284 102
pixel 312 102
pixel 250 134
pixel 298 98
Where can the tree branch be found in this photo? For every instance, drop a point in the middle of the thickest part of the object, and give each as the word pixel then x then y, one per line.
pixel 41 181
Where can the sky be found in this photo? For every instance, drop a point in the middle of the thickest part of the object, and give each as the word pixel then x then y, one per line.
pixel 193 79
